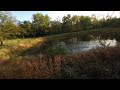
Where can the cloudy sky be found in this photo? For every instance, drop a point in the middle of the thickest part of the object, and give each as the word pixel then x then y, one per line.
pixel 27 15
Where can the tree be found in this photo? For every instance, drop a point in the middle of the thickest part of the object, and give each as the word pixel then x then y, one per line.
pixel 27 31
pixel 85 23
pixel 7 24
pixel 75 23
pixel 95 21
pixel 41 23
pixel 67 23
pixel 55 27
pixel 109 16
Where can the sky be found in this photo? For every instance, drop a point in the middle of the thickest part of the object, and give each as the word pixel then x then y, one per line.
pixel 27 15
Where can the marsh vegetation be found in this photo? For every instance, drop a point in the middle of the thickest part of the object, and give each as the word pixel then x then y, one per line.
pixel 79 47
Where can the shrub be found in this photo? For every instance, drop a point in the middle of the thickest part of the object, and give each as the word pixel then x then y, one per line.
pixel 52 49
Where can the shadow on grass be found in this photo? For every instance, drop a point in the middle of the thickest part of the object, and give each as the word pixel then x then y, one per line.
pixel 3 46
pixel 32 50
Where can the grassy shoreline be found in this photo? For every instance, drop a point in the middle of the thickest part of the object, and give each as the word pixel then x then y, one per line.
pixel 99 32
pixel 20 45
pixel 100 63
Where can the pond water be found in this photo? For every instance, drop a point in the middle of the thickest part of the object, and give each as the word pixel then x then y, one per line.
pixel 76 45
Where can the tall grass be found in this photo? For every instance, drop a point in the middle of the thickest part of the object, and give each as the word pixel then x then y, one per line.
pixel 53 48
pixel 101 63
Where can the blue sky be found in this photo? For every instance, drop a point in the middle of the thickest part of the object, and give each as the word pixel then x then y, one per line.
pixel 27 15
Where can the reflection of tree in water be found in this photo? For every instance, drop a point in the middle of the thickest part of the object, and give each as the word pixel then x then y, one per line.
pixel 106 43
pixel 75 45
pixel 72 41
pixel 71 44
pixel 102 41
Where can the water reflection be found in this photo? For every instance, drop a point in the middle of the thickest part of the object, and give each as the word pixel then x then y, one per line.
pixel 75 45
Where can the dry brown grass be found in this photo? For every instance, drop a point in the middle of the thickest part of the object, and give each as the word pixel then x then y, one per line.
pixel 30 68
pixel 101 63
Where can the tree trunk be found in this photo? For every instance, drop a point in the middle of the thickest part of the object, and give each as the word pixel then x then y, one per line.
pixel 1 43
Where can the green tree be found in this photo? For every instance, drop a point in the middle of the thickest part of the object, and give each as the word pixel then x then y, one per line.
pixel 75 23
pixel 7 25
pixel 27 30
pixel 85 23
pixel 55 27
pixel 41 23
pixel 67 23
pixel 95 21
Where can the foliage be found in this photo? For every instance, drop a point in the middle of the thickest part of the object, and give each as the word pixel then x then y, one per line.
pixel 42 25
pixel 101 63
pixel 85 23
pixel 55 27
pixel 52 49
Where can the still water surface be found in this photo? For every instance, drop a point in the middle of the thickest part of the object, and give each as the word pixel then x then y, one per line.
pixel 75 45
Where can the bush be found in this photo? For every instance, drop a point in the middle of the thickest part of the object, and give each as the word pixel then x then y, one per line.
pixel 101 63
pixel 53 49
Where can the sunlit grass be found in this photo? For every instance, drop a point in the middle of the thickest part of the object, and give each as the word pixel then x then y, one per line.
pixel 17 46
pixel 20 45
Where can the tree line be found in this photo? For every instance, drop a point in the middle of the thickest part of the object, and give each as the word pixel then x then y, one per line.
pixel 42 25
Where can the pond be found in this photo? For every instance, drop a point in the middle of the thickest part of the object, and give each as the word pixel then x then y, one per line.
pixel 76 45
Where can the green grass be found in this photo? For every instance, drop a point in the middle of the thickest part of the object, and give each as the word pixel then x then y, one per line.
pixel 16 46
pixel 85 35
pixel 98 63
